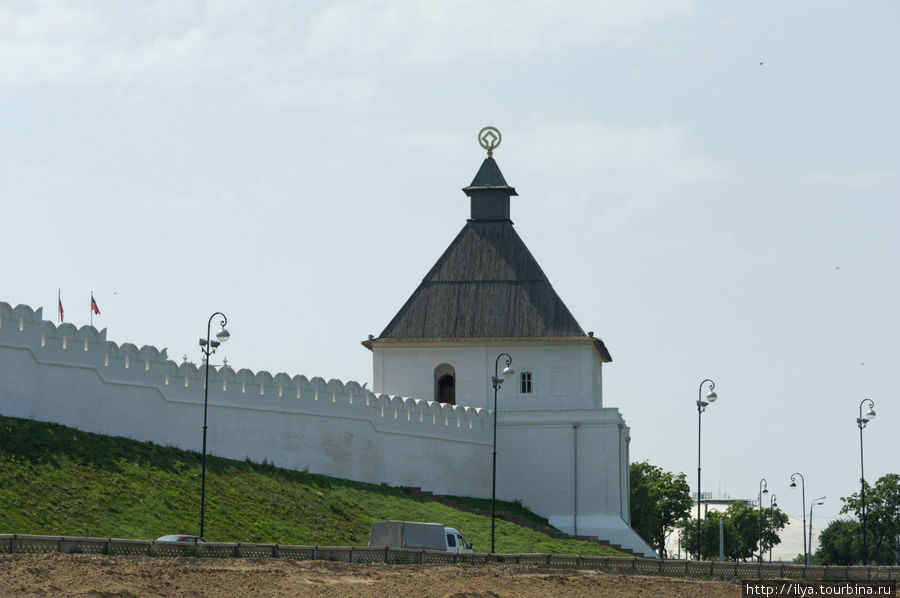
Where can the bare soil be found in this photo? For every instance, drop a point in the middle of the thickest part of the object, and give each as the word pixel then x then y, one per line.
pixel 99 576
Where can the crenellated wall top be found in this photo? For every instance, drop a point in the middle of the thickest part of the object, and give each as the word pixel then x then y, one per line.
pixel 68 345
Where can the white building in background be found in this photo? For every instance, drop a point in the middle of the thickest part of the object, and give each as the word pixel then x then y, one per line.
pixel 428 421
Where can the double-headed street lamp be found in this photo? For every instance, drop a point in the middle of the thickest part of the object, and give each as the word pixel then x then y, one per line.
pixel 208 347
pixel 803 509
pixel 861 421
pixel 815 501
pixel 763 489
pixel 497 381
pixel 701 407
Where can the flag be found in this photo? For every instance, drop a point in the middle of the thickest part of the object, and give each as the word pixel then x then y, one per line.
pixel 94 307
pixel 62 316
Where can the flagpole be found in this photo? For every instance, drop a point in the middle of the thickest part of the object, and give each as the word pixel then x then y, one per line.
pixel 92 309
pixel 58 304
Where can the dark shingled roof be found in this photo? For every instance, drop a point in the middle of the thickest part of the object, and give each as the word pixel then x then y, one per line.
pixel 486 285
pixel 489 177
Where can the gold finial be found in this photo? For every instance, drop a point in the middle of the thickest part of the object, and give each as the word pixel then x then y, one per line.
pixel 489 138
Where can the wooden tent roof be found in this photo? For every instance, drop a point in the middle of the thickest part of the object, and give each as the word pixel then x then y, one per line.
pixel 486 285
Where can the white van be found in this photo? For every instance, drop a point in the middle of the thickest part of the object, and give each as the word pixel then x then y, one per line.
pixel 413 534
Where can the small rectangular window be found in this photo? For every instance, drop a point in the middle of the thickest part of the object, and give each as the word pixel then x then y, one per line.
pixel 525 382
pixel 451 541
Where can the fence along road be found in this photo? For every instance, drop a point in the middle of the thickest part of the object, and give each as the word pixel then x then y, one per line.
pixel 29 544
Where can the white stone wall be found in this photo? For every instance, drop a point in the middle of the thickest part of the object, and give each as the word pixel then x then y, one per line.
pixel 566 374
pixel 76 377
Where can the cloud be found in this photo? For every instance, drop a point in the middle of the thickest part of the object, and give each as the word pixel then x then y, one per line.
pixel 49 20
pixel 168 43
pixel 56 43
pixel 440 32
pixel 285 52
pixel 316 91
pixel 434 139
pixel 858 180
pixel 645 157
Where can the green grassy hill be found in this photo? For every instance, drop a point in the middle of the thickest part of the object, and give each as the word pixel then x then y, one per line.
pixel 58 481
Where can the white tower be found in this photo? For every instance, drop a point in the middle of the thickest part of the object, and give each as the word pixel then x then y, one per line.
pixel 558 450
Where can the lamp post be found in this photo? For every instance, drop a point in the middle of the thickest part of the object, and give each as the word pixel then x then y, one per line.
pixel 861 421
pixel 496 381
pixel 815 501
pixel 701 407
pixel 772 504
pixel 208 347
pixel 763 489
pixel 803 509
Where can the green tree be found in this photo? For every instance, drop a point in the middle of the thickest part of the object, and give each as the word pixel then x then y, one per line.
pixel 741 527
pixel 840 543
pixel 814 559
pixel 709 537
pixel 659 499
pixel 882 517
pixel 773 521
pixel 747 523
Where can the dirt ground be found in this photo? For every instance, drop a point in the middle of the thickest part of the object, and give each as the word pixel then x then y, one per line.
pixel 98 576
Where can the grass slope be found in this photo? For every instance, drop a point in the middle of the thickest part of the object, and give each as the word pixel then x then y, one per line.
pixel 56 480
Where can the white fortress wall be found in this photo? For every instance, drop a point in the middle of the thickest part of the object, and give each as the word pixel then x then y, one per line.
pixel 74 376
pixel 582 467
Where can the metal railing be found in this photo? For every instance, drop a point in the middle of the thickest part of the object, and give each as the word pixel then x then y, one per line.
pixel 31 544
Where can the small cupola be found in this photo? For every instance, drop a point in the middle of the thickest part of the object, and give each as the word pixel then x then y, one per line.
pixel 489 194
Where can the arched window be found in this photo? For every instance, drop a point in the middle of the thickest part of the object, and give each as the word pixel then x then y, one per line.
pixel 445 384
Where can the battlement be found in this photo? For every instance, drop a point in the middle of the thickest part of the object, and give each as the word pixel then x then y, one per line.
pixel 126 364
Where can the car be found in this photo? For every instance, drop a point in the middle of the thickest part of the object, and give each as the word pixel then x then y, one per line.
pixel 180 538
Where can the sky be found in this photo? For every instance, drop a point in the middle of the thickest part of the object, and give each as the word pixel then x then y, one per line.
pixel 711 187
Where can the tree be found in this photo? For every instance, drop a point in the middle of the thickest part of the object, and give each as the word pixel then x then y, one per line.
pixel 840 543
pixel 773 521
pixel 741 527
pixel 882 517
pixel 659 499
pixel 747 522
pixel 709 537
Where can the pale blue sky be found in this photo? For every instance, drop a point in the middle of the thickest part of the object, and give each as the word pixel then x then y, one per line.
pixel 710 186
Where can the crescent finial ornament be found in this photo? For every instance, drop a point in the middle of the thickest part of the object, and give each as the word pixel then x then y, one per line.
pixel 489 138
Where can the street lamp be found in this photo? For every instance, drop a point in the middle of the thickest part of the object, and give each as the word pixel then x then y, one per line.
pixel 803 509
pixel 701 407
pixel 815 501
pixel 763 489
pixel 208 347
pixel 772 504
pixel 861 422
pixel 496 381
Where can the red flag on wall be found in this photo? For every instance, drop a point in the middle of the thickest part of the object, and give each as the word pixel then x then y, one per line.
pixel 94 307
pixel 62 315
